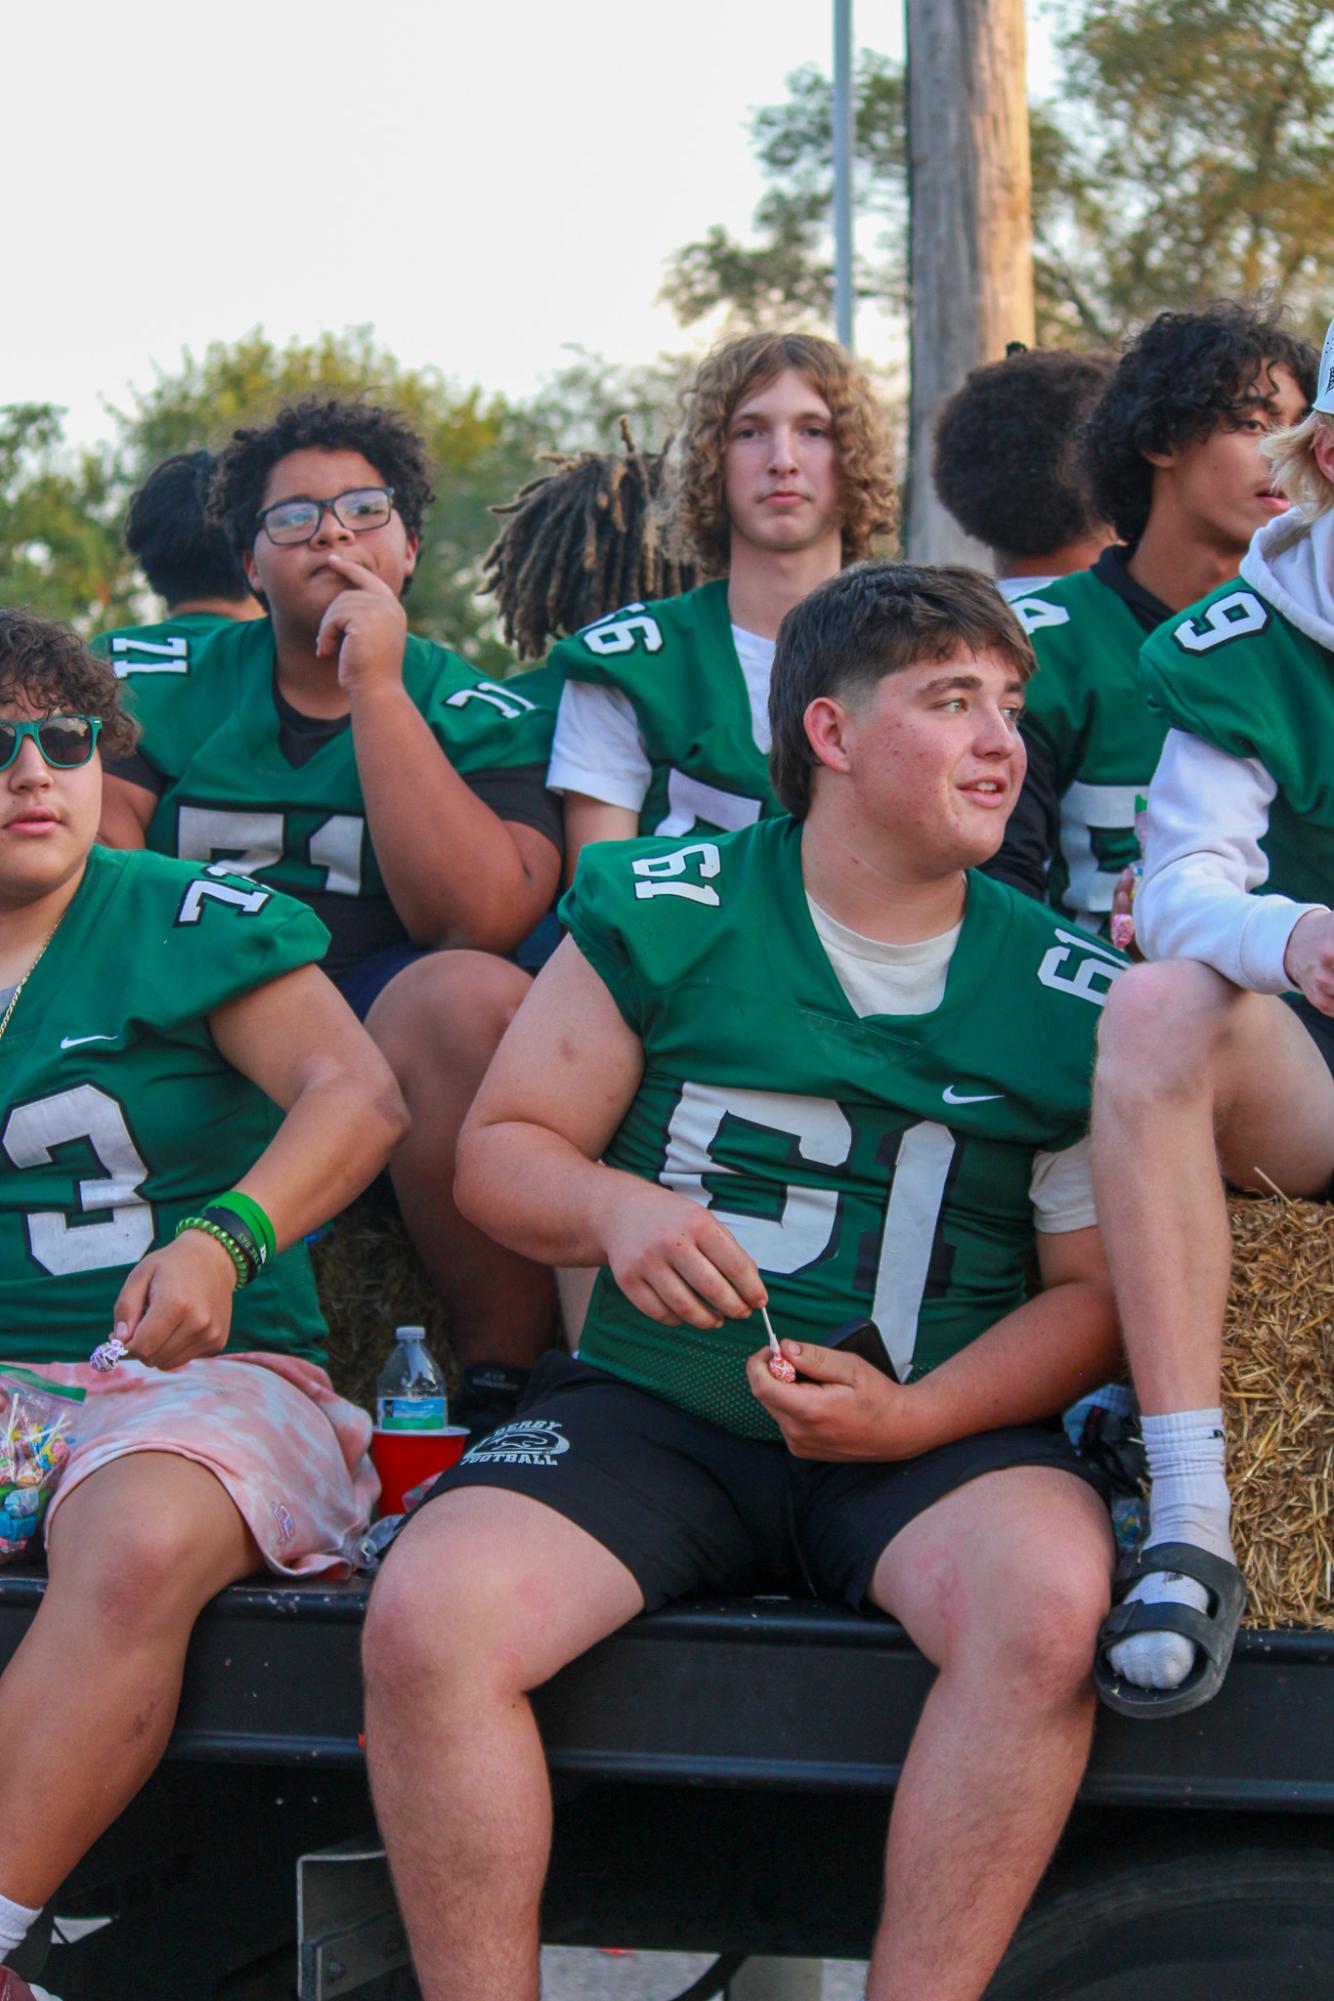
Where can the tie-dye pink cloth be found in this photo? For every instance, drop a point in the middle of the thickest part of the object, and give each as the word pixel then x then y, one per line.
pixel 289 1450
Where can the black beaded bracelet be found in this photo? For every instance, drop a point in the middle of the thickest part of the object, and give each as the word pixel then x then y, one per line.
pixel 230 1223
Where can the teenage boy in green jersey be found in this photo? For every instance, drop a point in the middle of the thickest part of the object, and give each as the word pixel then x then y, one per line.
pixel 1175 464
pixel 814 1062
pixel 185 555
pixel 1008 463
pixel 782 474
pixel 1216 1062
pixel 166 1040
pixel 374 775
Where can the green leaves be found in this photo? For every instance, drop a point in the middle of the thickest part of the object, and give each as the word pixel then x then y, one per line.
pixel 1187 155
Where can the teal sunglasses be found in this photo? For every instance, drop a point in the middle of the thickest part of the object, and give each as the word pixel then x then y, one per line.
pixel 64 741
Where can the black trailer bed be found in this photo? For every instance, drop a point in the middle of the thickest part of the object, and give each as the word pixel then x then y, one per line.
pixel 752 1693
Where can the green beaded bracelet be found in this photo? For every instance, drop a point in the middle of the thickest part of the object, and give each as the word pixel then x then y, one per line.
pixel 240 1261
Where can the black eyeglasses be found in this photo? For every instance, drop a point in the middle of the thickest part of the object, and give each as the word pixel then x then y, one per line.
pixel 64 741
pixel 298 520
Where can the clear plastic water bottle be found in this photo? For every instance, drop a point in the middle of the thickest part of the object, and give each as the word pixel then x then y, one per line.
pixel 410 1388
pixel 413 1439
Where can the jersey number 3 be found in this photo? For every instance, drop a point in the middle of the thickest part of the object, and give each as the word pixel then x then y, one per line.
pixel 33 1132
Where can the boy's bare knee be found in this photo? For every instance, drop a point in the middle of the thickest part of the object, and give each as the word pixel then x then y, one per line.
pixel 1163 1029
pixel 443 1612
pixel 150 1581
pixel 450 1008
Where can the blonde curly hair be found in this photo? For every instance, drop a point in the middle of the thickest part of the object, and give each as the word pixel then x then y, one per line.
pixel 1292 460
pixel 697 499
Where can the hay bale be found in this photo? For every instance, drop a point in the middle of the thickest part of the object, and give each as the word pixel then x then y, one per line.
pixel 370 1281
pixel 1278 1385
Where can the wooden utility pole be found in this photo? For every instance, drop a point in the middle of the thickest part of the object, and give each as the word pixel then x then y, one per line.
pixel 971 260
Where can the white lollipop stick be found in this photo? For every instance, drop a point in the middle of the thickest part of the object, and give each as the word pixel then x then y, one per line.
pixel 779 1367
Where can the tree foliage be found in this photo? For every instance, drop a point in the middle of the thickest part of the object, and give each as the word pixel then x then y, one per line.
pixel 60 546
pixel 1186 156
pixel 1205 166
pixel 61 511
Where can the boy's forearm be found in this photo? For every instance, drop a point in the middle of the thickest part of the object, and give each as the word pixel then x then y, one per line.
pixel 1036 1361
pixel 336 1137
pixel 535 1192
pixel 453 870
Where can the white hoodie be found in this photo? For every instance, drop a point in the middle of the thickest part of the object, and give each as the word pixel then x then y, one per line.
pixel 1208 812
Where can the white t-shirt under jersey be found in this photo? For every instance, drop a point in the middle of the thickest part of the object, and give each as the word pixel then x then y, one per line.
pixel 879 978
pixel 597 748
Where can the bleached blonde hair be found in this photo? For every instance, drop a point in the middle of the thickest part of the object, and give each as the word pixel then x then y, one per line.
pixel 1292 460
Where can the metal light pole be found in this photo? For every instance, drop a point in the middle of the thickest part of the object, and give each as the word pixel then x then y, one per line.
pixel 843 171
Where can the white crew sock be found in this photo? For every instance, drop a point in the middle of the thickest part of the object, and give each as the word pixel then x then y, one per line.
pixel 16 1920
pixel 1188 1503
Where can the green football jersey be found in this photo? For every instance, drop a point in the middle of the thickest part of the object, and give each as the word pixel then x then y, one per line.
pixel 236 788
pixel 119 1116
pixel 875 1166
pixel 1086 707
pixel 1235 672
pixel 676 662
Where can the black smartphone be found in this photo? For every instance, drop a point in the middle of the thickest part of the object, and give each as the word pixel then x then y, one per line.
pixel 863 1338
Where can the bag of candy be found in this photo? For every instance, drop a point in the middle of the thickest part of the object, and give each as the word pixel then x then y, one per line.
pixel 36 1420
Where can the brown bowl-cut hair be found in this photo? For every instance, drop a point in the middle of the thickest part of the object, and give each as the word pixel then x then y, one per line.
pixel 871 620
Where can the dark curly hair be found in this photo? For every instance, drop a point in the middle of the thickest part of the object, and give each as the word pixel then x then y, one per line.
pixel 382 437
pixel 47 668
pixel 871 620
pixel 182 553
pixel 1183 377
pixel 1008 461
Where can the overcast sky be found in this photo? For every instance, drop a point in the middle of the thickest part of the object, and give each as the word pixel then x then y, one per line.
pixel 481 182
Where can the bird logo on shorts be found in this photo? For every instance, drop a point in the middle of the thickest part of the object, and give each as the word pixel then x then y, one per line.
pixel 536 1441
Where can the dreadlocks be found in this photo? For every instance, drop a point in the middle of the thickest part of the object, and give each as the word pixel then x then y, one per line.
pixel 579 542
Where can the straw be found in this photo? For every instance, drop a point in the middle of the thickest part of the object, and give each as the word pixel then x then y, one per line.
pixel 1278 1391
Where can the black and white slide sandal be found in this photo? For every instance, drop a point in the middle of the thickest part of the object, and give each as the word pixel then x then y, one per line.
pixel 1213 1631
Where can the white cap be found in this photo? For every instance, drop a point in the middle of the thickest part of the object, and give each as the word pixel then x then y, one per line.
pixel 1324 382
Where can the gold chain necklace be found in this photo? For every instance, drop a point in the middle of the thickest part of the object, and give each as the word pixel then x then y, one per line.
pixel 14 997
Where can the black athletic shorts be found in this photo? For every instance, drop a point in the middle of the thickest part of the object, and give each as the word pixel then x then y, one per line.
pixel 1320 1027
pixel 688 1507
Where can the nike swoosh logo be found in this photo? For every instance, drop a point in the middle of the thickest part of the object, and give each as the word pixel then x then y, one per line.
pixel 73 1041
pixel 953 1097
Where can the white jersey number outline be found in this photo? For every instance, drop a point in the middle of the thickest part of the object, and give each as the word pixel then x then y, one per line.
pixel 503 699
pixel 1227 618
pixel 254 841
pixel 692 800
pixel 169 656
pixel 1036 615
pixel 89 1114
pixel 623 632
pixel 1094 965
pixel 808 1224
pixel 664 875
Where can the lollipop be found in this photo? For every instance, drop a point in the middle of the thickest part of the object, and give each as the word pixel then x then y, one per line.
pixel 106 1356
pixel 780 1368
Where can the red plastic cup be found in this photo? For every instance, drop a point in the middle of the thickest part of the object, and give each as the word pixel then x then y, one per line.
pixel 404 1458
